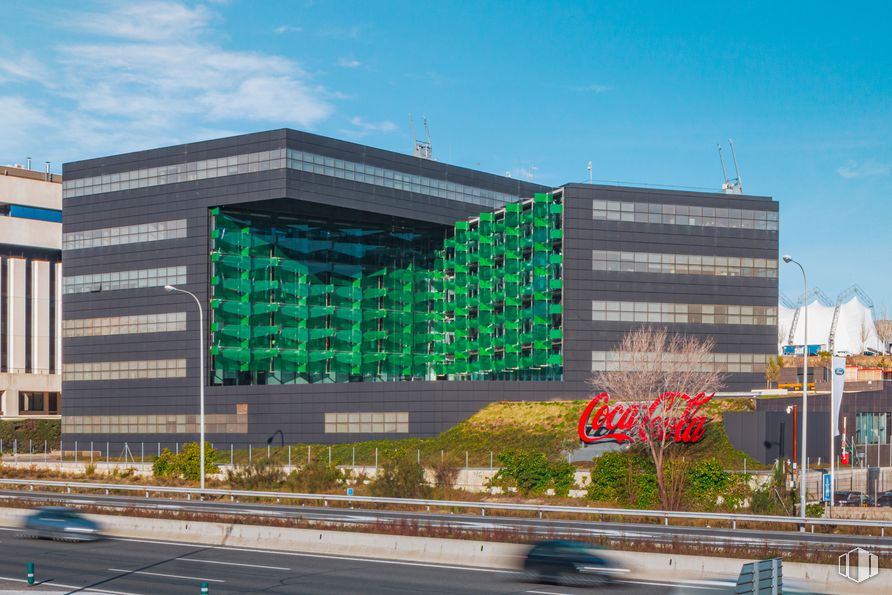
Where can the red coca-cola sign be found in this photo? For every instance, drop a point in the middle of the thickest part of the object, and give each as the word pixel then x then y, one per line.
pixel 603 422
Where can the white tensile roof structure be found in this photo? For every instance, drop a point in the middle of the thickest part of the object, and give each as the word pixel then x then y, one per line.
pixel 845 324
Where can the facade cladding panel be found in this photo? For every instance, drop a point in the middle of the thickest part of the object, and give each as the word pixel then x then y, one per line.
pixel 110 410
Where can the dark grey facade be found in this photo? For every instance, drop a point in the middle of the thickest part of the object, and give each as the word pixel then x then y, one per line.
pixel 128 384
pixel 865 420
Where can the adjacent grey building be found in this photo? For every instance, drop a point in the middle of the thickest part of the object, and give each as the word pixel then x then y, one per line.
pixel 351 293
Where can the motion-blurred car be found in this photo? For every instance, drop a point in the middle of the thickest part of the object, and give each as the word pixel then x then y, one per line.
pixel 850 498
pixel 56 522
pixel 569 563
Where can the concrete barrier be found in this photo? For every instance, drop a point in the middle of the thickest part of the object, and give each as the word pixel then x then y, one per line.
pixel 484 554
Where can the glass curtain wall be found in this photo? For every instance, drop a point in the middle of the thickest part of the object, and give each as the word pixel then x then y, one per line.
pixel 301 301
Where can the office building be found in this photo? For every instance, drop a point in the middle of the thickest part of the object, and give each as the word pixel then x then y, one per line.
pixel 30 292
pixel 350 293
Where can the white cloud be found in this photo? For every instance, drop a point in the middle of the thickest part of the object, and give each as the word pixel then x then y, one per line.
pixel 146 21
pixel 149 73
pixel 267 98
pixel 287 29
pixel 363 127
pixel 864 169
pixel 19 120
pixel 24 68
pixel 349 63
pixel 528 173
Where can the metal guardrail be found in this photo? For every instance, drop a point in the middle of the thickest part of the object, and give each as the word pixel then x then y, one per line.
pixel 483 507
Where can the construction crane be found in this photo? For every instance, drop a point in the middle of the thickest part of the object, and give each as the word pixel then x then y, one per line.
pixel 735 185
pixel 421 148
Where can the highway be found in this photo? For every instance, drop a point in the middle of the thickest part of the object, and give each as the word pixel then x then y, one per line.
pixel 133 566
pixel 732 538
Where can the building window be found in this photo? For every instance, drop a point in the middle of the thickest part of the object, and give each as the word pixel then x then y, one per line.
pixel 639 212
pixel 215 423
pixel 728 363
pixel 871 428
pixel 387 178
pixel 125 370
pixel 128 234
pixel 683 264
pixel 39 403
pixel 391 422
pixel 278 159
pixel 671 313
pixel 124 280
pixel 164 322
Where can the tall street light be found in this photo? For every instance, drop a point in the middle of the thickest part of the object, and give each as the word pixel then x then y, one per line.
pixel 172 289
pixel 802 465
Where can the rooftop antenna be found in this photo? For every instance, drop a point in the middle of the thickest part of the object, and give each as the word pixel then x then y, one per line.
pixel 730 186
pixel 531 172
pixel 421 148
pixel 589 172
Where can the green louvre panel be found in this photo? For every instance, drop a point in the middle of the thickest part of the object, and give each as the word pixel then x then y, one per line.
pixel 393 322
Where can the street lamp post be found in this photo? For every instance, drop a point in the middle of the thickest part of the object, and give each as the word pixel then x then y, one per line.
pixel 803 468
pixel 172 289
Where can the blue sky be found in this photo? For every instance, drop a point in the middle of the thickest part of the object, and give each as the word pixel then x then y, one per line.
pixel 642 89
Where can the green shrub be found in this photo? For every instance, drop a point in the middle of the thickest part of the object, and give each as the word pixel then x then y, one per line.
pixel 815 510
pixel 609 474
pixel 186 464
pixel 532 473
pixel 164 464
pixel 315 477
pixel 400 477
pixel 37 431
pixel 626 478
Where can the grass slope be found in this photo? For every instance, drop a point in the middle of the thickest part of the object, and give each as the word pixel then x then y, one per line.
pixel 543 426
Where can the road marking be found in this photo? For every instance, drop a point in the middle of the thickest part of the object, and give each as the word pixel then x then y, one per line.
pixel 233 564
pixel 670 584
pixel 79 589
pixel 548 592
pixel 191 578
pixel 324 556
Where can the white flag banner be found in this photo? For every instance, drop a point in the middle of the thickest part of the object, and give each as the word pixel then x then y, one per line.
pixel 838 376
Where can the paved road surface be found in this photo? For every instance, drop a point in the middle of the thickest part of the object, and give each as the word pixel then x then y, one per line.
pixel 131 566
pixel 788 540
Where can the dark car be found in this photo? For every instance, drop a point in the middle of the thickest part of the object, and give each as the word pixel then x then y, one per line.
pixel 55 522
pixel 851 498
pixel 569 563
pixel 884 499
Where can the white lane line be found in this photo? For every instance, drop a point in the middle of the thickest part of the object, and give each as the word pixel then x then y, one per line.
pixel 672 584
pixel 323 556
pixel 232 564
pixel 191 578
pixel 80 589
pixel 548 592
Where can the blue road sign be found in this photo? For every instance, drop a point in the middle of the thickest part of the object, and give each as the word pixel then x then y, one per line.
pixel 828 487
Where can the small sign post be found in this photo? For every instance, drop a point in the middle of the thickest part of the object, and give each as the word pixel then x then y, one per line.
pixel 828 487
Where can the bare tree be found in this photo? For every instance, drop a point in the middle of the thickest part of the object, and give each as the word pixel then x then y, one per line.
pixel 663 379
pixel 863 333
pixel 884 328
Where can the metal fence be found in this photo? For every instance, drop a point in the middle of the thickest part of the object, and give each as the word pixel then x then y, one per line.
pixel 483 507
pixel 228 454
